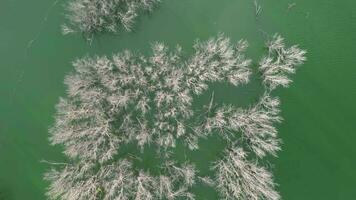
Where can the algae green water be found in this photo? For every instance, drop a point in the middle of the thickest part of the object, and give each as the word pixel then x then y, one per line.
pixel 319 131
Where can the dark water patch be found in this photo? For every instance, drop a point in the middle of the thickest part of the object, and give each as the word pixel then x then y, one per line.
pixel 5 192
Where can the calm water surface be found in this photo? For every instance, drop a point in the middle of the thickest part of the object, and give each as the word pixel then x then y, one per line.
pixel 319 132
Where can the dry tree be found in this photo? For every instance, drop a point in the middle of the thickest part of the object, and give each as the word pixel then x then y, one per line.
pixel 258 8
pixel 238 178
pixel 147 100
pixel 93 16
pixel 280 62
pixel 254 126
pixel 176 181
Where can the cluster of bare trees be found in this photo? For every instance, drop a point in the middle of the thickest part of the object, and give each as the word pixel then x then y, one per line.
pixel 250 132
pixel 119 180
pixel 92 16
pixel 131 98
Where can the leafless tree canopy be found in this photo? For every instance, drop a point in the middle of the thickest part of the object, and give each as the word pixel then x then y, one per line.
pixel 134 98
pixel 91 16
pixel 255 126
pixel 119 180
pixel 280 62
pixel 131 98
pixel 239 178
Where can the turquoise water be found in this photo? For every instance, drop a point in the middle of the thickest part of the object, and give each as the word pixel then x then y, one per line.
pixel 318 157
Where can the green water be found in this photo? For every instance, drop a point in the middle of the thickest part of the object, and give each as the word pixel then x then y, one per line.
pixel 319 132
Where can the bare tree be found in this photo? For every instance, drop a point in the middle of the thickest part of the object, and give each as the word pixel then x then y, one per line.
pixel 176 181
pixel 280 62
pixel 146 187
pixel 256 125
pixel 73 182
pixel 93 16
pixel 239 178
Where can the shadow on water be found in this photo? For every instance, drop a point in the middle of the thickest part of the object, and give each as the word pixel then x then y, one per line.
pixel 5 192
